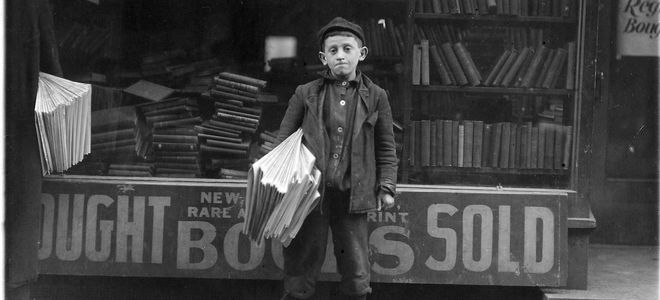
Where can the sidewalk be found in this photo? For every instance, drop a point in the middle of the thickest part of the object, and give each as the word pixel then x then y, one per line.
pixel 617 272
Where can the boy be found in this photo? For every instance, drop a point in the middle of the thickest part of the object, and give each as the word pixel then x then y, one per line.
pixel 347 125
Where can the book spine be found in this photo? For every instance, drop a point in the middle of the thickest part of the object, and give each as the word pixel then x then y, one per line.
pixel 496 69
pixel 554 69
pixel 221 124
pixel 232 117
pixel 568 140
pixel 440 67
pixel 505 145
pixel 570 67
pixel 559 148
pixel 505 68
pixel 221 94
pixel 188 121
pixel 447 137
pixel 425 143
pixel 217 150
pixel 454 64
pixel 548 159
pixel 235 91
pixel 534 66
pixel 158 138
pixel 175 146
pixel 243 79
pixel 412 143
pixel 514 146
pixel 439 143
pixel 434 145
pixel 545 68
pixel 486 144
pixel 468 140
pixel 236 85
pixel 534 148
pixel 540 156
pixel 477 146
pixel 454 143
pixel 511 73
pixel 425 72
pixel 417 65
pixel 461 145
pixel 467 64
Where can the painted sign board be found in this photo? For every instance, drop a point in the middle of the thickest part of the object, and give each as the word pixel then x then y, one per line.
pixel 433 235
pixel 638 29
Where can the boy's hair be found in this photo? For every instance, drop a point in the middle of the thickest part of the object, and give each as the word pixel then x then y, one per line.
pixel 340 26
pixel 340 33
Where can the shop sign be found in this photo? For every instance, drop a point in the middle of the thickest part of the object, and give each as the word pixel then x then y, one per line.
pixel 638 28
pixel 432 236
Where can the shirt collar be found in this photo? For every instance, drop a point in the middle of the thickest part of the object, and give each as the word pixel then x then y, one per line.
pixel 328 77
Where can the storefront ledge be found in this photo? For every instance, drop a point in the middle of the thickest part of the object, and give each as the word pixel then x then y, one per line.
pixel 565 294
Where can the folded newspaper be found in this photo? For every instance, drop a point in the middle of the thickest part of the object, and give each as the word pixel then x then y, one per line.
pixel 282 190
pixel 63 120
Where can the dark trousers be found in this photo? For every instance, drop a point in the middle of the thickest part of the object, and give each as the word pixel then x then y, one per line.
pixel 304 256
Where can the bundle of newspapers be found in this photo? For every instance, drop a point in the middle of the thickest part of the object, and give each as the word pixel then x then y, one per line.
pixel 63 121
pixel 282 190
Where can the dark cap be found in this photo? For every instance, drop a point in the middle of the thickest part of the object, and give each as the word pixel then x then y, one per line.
pixel 340 24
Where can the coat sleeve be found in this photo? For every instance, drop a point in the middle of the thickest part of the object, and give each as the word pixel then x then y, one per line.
pixel 293 117
pixel 386 160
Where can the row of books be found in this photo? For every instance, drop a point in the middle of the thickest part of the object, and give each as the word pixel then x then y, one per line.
pixel 529 68
pixel 90 40
pixel 454 64
pixel 541 68
pixel 117 135
pixel 384 38
pixel 546 8
pixel 495 36
pixel 505 145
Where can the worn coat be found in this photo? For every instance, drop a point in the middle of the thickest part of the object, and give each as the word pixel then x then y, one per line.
pixel 373 154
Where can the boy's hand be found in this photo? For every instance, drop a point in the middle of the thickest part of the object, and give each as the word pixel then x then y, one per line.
pixel 385 200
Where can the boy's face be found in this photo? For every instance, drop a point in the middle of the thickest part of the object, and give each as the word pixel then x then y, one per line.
pixel 342 54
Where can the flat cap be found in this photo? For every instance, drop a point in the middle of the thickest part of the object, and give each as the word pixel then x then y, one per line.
pixel 340 24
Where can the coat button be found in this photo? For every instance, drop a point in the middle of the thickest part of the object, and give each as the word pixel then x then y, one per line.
pixel 342 102
pixel 339 129
pixel 335 156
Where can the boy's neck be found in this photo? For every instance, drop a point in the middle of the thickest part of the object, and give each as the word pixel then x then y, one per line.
pixel 349 77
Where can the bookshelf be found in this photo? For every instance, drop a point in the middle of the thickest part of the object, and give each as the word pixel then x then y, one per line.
pixel 470 62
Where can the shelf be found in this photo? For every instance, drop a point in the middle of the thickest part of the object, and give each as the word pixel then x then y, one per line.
pixel 494 18
pixel 489 170
pixel 492 90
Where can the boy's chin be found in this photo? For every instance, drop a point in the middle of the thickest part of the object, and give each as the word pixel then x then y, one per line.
pixel 341 73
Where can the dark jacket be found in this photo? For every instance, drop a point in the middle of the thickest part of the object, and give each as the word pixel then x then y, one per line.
pixel 373 154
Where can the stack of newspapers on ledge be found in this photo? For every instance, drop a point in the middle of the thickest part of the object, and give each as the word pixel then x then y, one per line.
pixel 282 190
pixel 63 121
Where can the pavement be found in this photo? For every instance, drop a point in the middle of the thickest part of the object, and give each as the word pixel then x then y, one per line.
pixel 617 272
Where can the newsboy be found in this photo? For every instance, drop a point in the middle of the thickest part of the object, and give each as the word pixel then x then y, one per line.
pixel 347 125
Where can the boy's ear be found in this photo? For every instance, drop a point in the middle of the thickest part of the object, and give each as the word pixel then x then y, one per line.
pixel 322 58
pixel 363 53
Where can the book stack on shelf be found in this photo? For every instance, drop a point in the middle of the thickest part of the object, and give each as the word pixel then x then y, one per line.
pixel 523 8
pixel 115 135
pixel 501 145
pixel 237 101
pixel 173 137
pixel 453 63
pixel 384 37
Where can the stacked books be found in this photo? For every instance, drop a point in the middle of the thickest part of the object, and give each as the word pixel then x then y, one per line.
pixel 144 169
pixel 174 139
pixel 504 145
pixel 237 112
pixel 280 195
pixel 268 141
pixel 63 117
pixel 546 8
pixel 115 135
